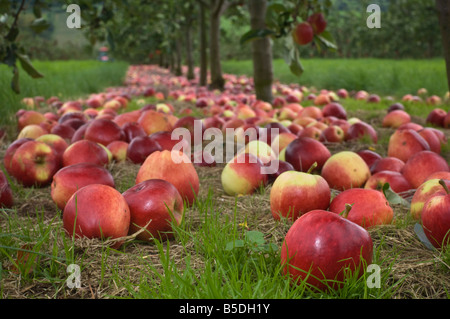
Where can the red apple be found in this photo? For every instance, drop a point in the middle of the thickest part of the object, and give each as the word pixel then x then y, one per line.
pixel 303 33
pixel 174 167
pixel 58 143
pixel 28 117
pixel 421 165
pixel 345 170
pixel 424 192
pixel 6 193
pixel 320 245
pixel 396 180
pixel 311 132
pixel 118 150
pixel 388 163
pixel 369 207
pixel 103 131
pixel 154 205
pixel 432 139
pixel 436 218
pixel 71 178
pixel 318 22
pixel 140 148
pixel 243 174
pixel 369 156
pixel 34 164
pixel 396 106
pixel 85 151
pixel 405 143
pixel 436 117
pixel 303 152
pixel 335 109
pixel 296 193
pixel 97 211
pixel 10 150
pixel 282 166
pixel 439 175
pixel 395 119
pixel 154 121
pixel 332 134
pixel 361 130
pixel 447 120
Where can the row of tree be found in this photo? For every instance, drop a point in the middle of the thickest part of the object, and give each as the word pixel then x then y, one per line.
pixel 166 29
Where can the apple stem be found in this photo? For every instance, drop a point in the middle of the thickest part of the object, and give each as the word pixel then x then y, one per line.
pixel 347 209
pixel 313 167
pixel 442 182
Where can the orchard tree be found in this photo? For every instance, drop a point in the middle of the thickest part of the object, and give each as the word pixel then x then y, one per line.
pixel 297 23
pixel 443 7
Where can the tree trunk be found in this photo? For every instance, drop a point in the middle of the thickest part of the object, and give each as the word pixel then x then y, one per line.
pixel 261 52
pixel 443 7
pixel 203 48
pixel 189 60
pixel 178 63
pixel 217 80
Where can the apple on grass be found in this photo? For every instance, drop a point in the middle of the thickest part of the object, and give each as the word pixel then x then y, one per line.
pixel 405 143
pixel 154 205
pixel 97 211
pixel 424 192
pixel 345 170
pixel 174 167
pixel 361 130
pixel 85 151
pixel 32 131
pixel 436 218
pixel 388 163
pixel 332 134
pixel 140 148
pixel 369 207
pixel 6 193
pixel 436 117
pixel 421 165
pixel 398 183
pixel 71 178
pixel 432 139
pixel 34 164
pixel 296 193
pixel 153 121
pixel 395 119
pixel 303 152
pixel 282 166
pixel 243 174
pixel 320 245
pixel 10 150
pixel 104 131
pixel 334 109
pixel 369 156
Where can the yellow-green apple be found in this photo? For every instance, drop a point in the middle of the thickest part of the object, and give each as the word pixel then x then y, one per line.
pixel 57 142
pixel 174 167
pixel 395 119
pixel 303 152
pixel 29 117
pixel 436 218
pixel 260 149
pixel 369 156
pixel 318 22
pixel 432 139
pixel 118 150
pixel 6 193
pixel 420 165
pixel 243 174
pixel 428 189
pixel 71 178
pixel 97 211
pixel 153 121
pixel 369 207
pixel 140 148
pixel 155 205
pixel 85 151
pixel 345 170
pixel 34 164
pixel 436 117
pixel 320 247
pixel 361 130
pixel 296 193
pixel 405 143
pixel 334 109
pixel 388 163
pixel 32 131
pixel 332 134
pixel 396 180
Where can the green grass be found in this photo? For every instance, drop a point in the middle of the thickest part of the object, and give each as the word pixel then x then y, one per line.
pixel 65 79
pixel 384 77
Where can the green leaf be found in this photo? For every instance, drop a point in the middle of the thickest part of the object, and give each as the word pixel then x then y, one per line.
pixel 326 39
pixel 28 67
pixel 295 64
pixel 255 237
pixel 392 197
pixel 418 229
pixel 255 34
pixel 40 24
pixel 15 81
pixel 239 243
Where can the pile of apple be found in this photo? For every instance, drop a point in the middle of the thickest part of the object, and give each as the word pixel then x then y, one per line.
pixel 71 147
